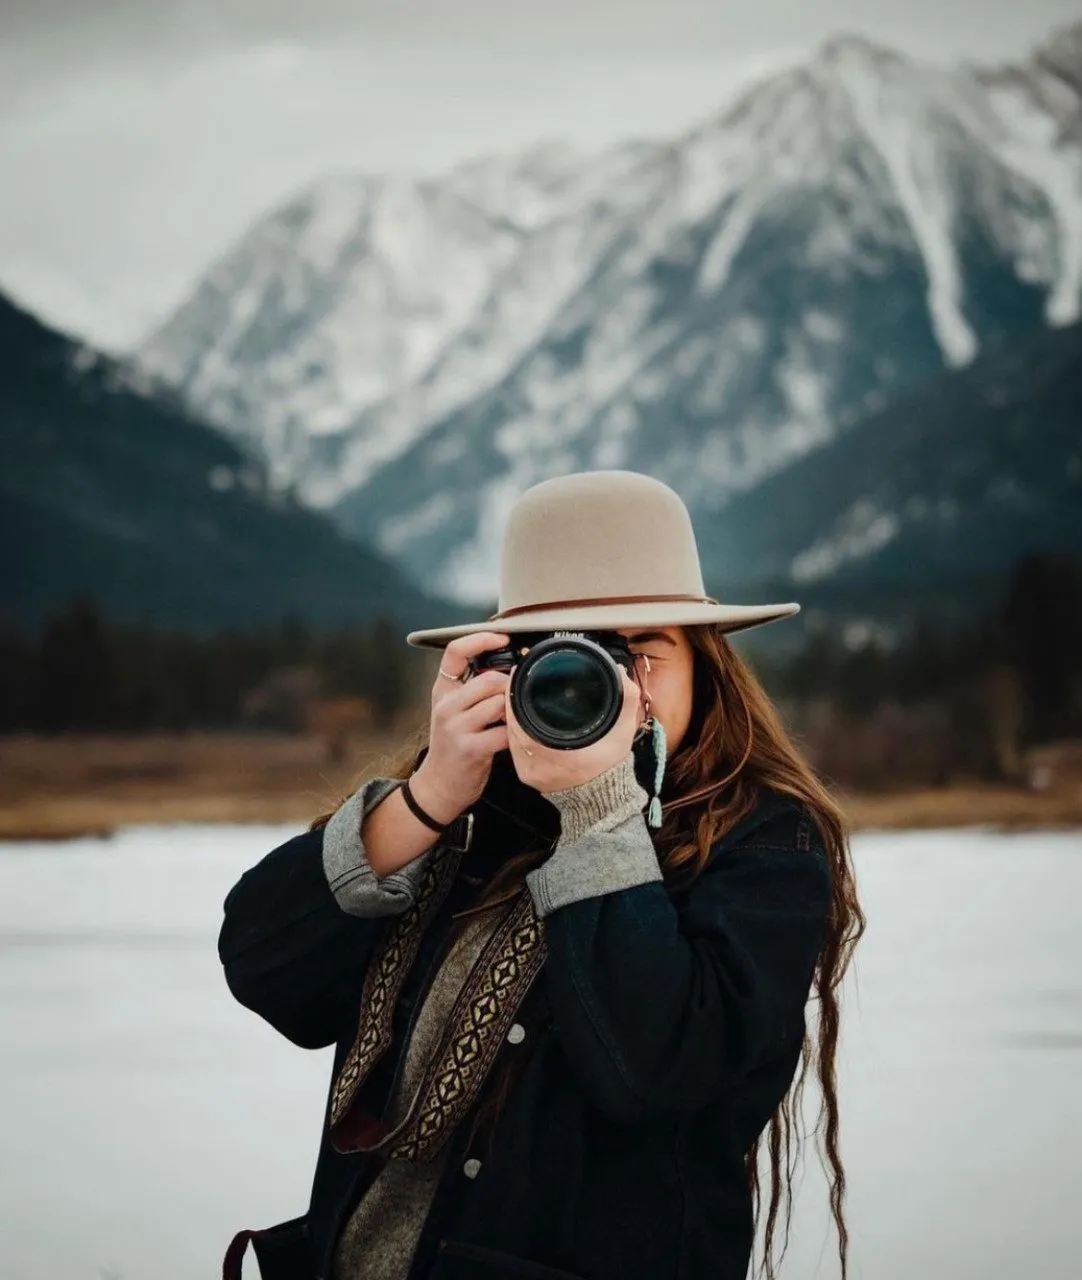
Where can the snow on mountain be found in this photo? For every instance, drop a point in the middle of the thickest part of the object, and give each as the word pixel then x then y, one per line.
pixel 1038 108
pixel 544 181
pixel 342 298
pixel 553 262
pixel 932 500
pixel 414 354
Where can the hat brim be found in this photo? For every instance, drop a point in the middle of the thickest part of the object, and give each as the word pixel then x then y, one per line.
pixel 610 617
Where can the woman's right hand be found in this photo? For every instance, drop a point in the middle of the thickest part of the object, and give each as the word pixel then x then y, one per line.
pixel 453 774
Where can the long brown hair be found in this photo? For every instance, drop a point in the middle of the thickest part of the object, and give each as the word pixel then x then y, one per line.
pixel 735 746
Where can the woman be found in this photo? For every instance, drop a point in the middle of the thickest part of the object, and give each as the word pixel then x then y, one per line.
pixel 562 1026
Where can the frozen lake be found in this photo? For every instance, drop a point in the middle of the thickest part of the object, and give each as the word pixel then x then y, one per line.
pixel 144 1116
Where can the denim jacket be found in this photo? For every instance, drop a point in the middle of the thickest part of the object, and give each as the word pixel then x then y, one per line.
pixel 664 1029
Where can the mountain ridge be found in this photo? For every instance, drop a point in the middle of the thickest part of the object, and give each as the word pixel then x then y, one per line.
pixel 934 499
pixel 112 494
pixel 707 309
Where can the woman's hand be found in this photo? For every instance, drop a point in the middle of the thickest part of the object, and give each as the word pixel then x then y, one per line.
pixel 461 742
pixel 550 769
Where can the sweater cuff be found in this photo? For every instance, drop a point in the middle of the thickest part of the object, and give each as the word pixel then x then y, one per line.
pixel 604 846
pixel 600 804
pixel 356 887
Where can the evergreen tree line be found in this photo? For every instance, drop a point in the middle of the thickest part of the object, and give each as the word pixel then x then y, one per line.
pixel 1013 676
pixel 946 701
pixel 81 672
pixel 1034 631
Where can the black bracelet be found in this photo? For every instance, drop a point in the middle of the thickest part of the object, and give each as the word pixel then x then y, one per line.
pixel 417 811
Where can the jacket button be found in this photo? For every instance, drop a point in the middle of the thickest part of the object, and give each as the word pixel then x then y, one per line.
pixel 517 1033
pixel 472 1167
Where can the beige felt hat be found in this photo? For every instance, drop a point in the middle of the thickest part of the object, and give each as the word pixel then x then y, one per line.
pixel 599 550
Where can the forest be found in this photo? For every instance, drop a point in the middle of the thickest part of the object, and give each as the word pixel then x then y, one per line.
pixel 940 703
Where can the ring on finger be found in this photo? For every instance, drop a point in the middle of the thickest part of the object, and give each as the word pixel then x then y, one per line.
pixel 448 676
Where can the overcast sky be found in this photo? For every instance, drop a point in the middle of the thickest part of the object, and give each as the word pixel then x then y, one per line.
pixel 139 137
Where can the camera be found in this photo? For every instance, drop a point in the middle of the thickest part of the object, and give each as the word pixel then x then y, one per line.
pixel 566 689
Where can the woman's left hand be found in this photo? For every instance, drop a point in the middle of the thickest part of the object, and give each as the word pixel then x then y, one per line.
pixel 550 769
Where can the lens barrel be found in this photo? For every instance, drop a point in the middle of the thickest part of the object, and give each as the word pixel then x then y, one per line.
pixel 567 691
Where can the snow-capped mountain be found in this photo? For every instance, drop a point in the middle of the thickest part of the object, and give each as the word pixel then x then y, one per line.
pixel 931 500
pixel 414 354
pixel 283 341
pixel 385 294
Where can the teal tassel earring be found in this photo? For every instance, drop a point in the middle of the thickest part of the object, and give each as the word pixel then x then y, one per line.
pixel 657 730
pixel 659 748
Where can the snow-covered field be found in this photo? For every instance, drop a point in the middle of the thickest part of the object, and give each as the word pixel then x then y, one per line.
pixel 144 1116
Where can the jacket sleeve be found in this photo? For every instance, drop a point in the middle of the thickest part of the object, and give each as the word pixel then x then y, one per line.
pixel 298 927
pixel 661 1010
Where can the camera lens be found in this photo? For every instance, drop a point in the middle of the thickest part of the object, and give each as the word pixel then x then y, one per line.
pixel 568 693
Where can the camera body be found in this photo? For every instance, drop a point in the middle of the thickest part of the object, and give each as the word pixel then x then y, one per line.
pixel 566 690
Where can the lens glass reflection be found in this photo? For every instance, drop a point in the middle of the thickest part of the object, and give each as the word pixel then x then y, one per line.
pixel 567 691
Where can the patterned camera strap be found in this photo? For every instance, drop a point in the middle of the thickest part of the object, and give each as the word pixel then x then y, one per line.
pixel 477 1026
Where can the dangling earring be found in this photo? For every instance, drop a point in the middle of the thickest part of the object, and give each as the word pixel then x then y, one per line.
pixel 657 733
pixel 659 749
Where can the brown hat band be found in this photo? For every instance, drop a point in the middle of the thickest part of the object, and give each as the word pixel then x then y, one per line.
pixel 601 600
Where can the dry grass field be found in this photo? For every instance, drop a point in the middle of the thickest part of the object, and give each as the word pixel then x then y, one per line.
pixel 67 786
pixel 70 786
